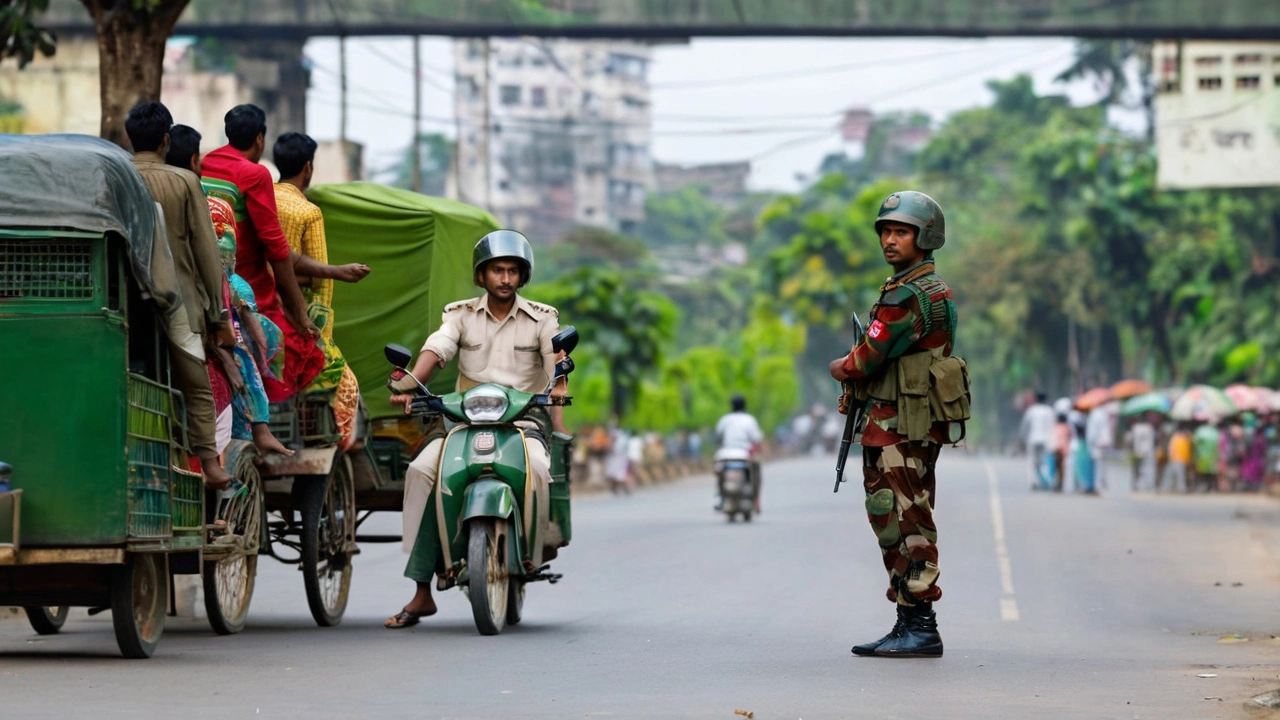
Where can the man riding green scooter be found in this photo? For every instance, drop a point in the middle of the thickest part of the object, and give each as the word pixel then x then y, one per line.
pixel 499 338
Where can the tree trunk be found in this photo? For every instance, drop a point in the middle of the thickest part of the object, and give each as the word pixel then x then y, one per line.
pixel 131 46
pixel 620 397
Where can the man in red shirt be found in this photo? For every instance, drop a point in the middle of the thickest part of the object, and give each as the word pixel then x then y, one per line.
pixel 262 251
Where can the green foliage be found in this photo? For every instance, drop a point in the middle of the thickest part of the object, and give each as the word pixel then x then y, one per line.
pixel 684 218
pixel 628 328
pixel 888 151
pixel 436 154
pixel 596 247
pixel 20 35
pixel 10 107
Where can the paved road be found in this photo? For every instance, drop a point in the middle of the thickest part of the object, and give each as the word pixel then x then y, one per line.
pixel 1054 607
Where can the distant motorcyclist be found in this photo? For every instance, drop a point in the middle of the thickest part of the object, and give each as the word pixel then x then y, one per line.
pixel 738 435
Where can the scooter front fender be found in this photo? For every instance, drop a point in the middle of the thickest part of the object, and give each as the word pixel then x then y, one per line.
pixel 488 498
pixel 494 498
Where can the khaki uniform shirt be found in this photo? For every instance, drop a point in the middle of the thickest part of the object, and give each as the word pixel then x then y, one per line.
pixel 191 238
pixel 515 351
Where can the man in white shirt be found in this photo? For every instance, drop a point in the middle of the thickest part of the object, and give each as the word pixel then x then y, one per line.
pixel 1099 434
pixel 1142 449
pixel 1037 434
pixel 738 433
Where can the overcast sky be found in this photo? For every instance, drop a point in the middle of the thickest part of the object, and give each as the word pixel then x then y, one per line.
pixel 772 101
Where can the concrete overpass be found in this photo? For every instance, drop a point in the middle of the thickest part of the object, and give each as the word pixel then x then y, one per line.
pixel 300 19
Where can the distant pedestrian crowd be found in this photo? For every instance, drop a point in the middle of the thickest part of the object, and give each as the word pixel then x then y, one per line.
pixel 1172 441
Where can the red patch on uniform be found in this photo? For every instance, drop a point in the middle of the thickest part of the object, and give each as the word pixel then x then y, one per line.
pixel 877 330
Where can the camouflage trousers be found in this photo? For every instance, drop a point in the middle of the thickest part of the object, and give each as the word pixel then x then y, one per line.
pixel 899 481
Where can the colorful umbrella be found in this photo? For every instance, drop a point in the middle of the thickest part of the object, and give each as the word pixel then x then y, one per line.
pixel 1202 403
pixel 1126 389
pixel 1150 402
pixel 1246 398
pixel 1273 399
pixel 1268 400
pixel 1093 398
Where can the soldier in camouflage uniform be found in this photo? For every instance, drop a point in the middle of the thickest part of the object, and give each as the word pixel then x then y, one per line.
pixel 916 398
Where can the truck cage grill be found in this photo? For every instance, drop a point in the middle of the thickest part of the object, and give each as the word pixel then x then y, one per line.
pixel 46 269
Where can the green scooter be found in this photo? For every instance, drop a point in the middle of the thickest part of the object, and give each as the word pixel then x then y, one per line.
pixel 493 522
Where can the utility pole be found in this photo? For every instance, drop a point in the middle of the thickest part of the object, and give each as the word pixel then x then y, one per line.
pixel 417 114
pixel 342 90
pixel 488 130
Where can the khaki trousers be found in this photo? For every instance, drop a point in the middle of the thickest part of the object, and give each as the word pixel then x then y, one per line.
pixel 191 375
pixel 420 479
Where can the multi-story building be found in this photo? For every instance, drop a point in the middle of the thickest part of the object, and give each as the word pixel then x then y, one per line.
pixel 552 133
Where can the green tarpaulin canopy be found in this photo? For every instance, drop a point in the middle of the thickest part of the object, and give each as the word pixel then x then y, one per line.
pixel 419 251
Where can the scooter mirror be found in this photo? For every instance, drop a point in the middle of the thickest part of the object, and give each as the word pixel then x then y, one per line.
pixel 565 340
pixel 398 355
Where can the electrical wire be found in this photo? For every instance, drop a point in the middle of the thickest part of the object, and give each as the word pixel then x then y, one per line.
pixel 896 93
pixel 806 72
pixel 377 52
pixel 811 134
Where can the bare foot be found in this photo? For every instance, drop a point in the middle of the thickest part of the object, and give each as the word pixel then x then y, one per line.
pixel 407 617
pixel 422 604
pixel 215 478
pixel 267 443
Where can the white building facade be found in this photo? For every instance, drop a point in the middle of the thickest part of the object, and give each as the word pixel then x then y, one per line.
pixel 568 133
pixel 1217 113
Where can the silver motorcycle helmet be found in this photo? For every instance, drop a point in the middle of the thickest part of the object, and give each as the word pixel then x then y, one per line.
pixel 503 244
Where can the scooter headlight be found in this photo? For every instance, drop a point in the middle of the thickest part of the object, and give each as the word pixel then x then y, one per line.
pixel 485 405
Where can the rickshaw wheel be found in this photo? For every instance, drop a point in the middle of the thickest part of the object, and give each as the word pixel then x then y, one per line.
pixel 139 599
pixel 229 581
pixel 47 620
pixel 489 579
pixel 328 530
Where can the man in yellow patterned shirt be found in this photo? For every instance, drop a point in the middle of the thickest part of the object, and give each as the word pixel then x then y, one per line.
pixel 303 225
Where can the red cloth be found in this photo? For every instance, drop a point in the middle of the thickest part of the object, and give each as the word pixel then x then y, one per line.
pixel 260 240
pixel 303 361
pixel 220 385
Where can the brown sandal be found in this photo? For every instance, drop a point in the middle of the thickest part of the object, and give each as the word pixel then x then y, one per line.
pixel 402 619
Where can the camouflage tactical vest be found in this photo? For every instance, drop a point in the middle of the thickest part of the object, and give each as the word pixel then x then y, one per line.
pixel 926 386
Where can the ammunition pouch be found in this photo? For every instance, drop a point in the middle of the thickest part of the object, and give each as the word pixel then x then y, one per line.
pixel 927 388
pixel 913 395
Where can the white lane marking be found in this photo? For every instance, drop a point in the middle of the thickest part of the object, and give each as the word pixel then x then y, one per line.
pixel 1008 609
pixel 1008 605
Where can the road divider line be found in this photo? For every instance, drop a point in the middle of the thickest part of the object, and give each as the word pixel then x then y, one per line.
pixel 1008 609
pixel 1008 604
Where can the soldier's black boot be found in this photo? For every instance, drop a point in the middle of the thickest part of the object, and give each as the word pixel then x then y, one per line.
pixel 898 627
pixel 919 636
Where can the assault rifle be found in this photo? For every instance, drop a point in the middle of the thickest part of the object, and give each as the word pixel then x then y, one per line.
pixel 854 416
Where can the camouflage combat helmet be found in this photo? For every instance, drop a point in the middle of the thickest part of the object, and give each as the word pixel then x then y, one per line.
pixel 920 212
pixel 507 244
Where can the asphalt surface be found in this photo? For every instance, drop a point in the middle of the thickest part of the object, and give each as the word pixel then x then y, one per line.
pixel 1053 607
